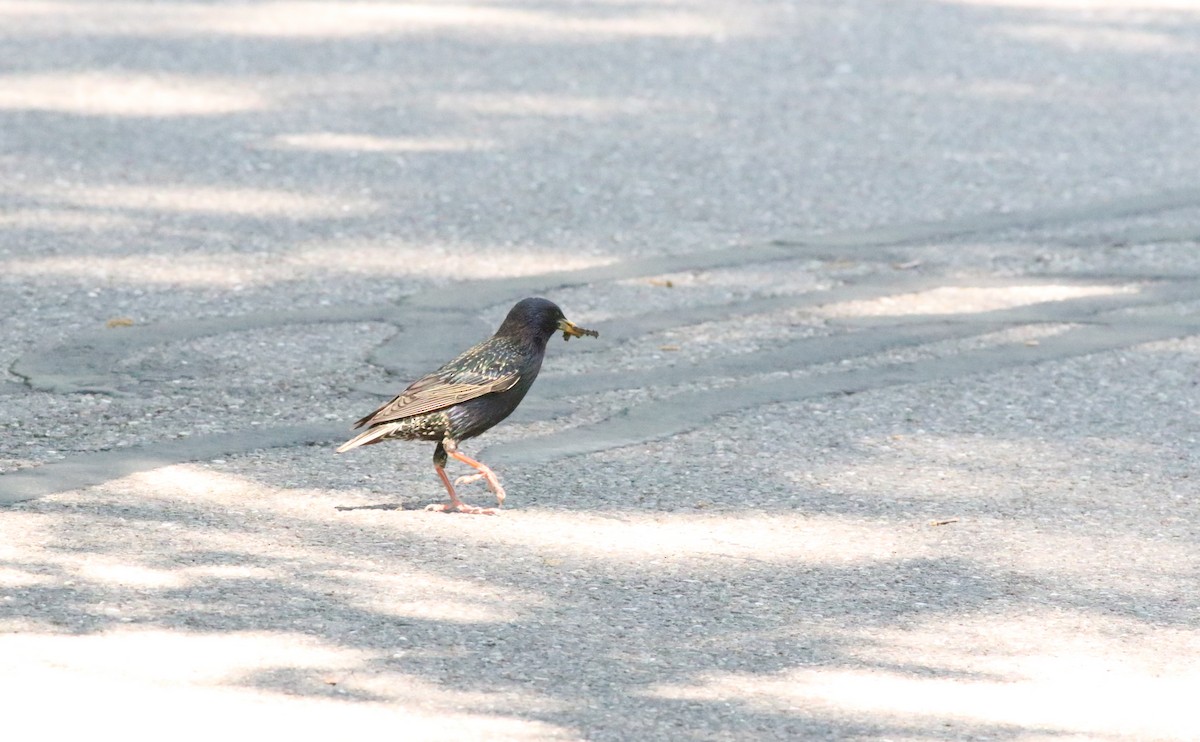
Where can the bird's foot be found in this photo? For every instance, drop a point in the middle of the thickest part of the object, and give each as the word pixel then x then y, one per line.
pixel 493 483
pixel 462 507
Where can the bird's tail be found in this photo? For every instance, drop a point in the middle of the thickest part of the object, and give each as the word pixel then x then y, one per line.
pixel 369 436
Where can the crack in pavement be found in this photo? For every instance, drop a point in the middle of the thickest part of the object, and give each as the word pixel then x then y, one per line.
pixel 85 364
pixel 686 412
pixel 900 234
pixel 90 469
pixel 445 316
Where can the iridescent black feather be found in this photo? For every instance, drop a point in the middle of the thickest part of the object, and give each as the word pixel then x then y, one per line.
pixel 476 390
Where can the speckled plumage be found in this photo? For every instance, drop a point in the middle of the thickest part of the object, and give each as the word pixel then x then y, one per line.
pixel 471 393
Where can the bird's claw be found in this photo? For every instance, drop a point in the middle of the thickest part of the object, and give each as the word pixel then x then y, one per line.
pixel 489 476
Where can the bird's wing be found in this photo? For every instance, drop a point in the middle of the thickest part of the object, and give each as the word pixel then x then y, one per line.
pixel 462 379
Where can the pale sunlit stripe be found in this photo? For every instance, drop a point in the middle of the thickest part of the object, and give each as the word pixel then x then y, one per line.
pixel 127 94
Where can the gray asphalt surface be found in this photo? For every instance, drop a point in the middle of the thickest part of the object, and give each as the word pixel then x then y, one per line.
pixel 890 433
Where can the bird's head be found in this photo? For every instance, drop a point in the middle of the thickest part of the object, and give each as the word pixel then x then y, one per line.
pixel 537 319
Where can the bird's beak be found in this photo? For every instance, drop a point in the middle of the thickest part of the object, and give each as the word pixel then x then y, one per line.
pixel 570 330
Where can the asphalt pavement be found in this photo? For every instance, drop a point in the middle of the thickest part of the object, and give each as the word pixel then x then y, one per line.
pixel 890 431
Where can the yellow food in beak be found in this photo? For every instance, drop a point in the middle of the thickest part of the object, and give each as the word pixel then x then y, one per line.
pixel 570 330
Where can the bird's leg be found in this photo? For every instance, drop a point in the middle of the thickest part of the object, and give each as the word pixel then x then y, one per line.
pixel 439 463
pixel 455 503
pixel 484 471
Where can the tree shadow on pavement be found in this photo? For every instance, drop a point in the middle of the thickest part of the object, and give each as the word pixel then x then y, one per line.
pixel 170 163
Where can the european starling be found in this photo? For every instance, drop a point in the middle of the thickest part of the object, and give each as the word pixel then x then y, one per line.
pixel 471 394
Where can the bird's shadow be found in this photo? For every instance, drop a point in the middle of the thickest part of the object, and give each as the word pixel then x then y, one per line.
pixel 384 506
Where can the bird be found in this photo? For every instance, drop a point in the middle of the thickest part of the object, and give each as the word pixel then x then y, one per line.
pixel 470 394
